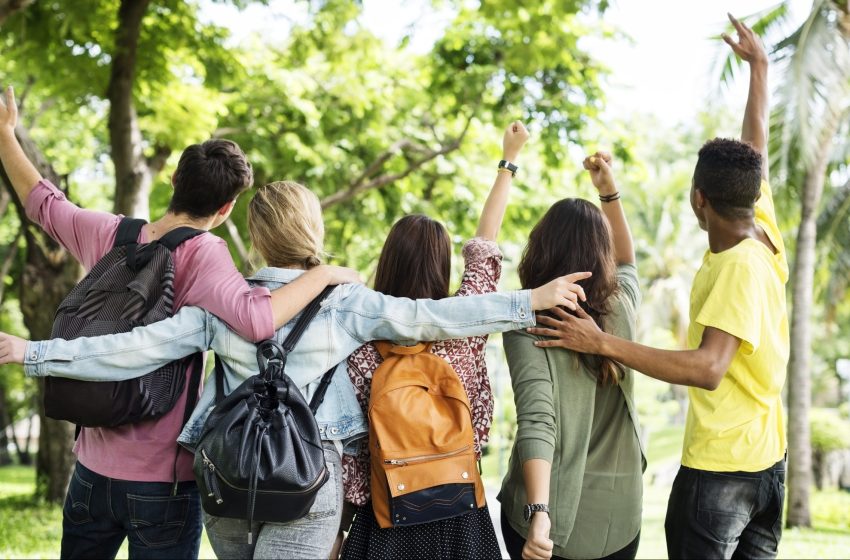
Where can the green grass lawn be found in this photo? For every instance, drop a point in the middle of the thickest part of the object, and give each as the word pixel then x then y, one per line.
pixel 33 530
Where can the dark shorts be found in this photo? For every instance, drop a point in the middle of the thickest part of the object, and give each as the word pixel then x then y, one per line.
pixel 725 514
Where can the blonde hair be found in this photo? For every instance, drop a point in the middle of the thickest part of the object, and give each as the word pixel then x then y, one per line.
pixel 285 225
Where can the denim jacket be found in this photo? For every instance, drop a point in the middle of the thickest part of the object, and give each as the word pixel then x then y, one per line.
pixel 351 316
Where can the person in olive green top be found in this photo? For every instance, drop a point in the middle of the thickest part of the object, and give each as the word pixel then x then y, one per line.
pixel 573 487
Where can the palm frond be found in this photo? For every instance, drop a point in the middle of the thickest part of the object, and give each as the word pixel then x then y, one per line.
pixel 767 23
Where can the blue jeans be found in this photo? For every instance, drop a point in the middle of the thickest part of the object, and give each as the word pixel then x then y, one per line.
pixel 725 514
pixel 100 512
pixel 311 536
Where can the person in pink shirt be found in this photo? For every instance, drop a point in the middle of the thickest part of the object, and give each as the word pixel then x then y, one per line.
pixel 126 475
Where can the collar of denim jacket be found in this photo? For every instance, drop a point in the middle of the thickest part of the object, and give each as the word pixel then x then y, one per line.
pixel 271 274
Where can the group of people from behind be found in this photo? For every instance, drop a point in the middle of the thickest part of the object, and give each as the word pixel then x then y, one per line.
pixel 573 488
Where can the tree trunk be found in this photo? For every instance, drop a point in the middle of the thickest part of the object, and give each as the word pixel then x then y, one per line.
pixel 5 421
pixel 799 364
pixel 9 7
pixel 49 274
pixel 134 172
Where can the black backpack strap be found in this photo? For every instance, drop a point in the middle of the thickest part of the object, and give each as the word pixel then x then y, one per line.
pixel 319 395
pixel 128 231
pixel 194 384
pixel 304 320
pixel 177 236
pixel 218 372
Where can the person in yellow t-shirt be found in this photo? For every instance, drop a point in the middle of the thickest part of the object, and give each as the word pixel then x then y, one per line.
pixel 727 498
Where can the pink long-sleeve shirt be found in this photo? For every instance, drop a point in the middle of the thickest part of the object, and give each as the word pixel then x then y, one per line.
pixel 205 276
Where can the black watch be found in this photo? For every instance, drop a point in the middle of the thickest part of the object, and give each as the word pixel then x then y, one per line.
pixel 531 509
pixel 505 164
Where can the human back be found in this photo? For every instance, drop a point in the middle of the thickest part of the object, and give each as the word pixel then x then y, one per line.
pixel 577 428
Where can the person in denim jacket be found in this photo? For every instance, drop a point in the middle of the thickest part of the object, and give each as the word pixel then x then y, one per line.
pixel 351 316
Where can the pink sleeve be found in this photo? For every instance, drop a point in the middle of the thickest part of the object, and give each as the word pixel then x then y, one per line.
pixel 87 234
pixel 482 267
pixel 205 276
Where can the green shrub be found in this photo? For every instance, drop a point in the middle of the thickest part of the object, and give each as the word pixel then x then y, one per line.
pixel 829 431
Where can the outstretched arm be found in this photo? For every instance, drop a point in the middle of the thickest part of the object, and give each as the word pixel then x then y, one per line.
pixel 755 128
pixel 22 173
pixel 494 208
pixel 703 367
pixel 599 165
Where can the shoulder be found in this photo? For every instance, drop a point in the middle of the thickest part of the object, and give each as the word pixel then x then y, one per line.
pixel 204 246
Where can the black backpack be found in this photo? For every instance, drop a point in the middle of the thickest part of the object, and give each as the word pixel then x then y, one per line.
pixel 260 454
pixel 131 286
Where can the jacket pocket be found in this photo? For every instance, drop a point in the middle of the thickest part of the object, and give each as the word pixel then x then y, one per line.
pixel 158 520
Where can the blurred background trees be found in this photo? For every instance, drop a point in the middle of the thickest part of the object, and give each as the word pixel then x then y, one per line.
pixel 111 91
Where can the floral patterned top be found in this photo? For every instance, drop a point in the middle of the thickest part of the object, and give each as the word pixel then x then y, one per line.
pixel 482 269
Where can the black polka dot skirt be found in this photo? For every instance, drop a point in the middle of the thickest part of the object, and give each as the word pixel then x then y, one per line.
pixel 466 536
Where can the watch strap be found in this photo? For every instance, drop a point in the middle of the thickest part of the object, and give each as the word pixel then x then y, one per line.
pixel 505 164
pixel 531 509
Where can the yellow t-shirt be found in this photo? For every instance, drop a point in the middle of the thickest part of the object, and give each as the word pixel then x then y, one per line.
pixel 740 426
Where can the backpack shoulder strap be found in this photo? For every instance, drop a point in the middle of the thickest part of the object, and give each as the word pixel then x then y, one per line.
pixel 319 395
pixel 177 236
pixel 304 320
pixel 194 385
pixel 219 380
pixel 128 231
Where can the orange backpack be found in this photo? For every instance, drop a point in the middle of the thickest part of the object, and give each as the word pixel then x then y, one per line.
pixel 421 443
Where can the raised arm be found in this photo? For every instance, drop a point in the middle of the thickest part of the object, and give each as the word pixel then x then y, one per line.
pixel 22 173
pixel 755 127
pixel 599 166
pixel 494 208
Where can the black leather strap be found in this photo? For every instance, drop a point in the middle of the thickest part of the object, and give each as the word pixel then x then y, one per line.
pixel 194 384
pixel 319 395
pixel 219 380
pixel 128 231
pixel 175 237
pixel 304 320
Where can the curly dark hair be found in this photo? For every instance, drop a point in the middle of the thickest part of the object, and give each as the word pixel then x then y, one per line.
pixel 728 172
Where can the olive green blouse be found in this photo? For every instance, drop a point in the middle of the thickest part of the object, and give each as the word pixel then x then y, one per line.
pixel 589 434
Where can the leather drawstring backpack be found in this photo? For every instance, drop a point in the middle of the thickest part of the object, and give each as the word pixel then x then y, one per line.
pixel 421 441
pixel 260 454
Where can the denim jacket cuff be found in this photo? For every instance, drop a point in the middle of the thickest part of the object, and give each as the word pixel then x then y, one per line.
pixel 521 308
pixel 34 365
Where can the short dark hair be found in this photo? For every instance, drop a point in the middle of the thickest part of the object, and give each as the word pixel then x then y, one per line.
pixel 416 259
pixel 208 176
pixel 728 172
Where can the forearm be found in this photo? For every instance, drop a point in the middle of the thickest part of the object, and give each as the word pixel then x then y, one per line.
pixel 289 300
pixel 367 315
pixel 624 250
pixel 494 208
pixel 694 368
pixel 22 173
pixel 755 126
pixel 535 475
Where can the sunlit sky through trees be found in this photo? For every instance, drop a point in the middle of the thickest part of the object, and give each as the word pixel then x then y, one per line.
pixel 665 67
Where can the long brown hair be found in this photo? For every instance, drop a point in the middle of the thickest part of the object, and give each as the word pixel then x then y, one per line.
pixel 574 236
pixel 416 259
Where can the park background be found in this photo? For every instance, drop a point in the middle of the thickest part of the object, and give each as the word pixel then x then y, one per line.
pixel 392 107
